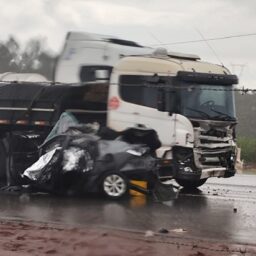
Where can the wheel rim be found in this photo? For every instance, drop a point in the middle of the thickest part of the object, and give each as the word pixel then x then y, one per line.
pixel 114 185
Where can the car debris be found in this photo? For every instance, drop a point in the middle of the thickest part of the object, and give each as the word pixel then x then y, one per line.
pixel 179 230
pixel 149 233
pixel 163 231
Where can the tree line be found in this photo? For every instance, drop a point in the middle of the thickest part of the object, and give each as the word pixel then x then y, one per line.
pixel 33 57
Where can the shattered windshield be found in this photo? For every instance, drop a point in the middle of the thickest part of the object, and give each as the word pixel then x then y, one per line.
pixel 207 102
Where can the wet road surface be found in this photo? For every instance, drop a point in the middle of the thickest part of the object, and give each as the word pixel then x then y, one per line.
pixel 223 209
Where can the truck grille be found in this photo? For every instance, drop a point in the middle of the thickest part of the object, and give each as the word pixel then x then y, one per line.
pixel 212 139
pixel 213 148
pixel 214 133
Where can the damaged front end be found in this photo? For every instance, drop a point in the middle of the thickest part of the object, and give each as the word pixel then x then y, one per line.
pixel 213 154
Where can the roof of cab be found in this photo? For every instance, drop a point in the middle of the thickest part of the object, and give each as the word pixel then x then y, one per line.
pixel 166 64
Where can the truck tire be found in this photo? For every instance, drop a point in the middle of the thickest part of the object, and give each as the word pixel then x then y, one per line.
pixel 114 185
pixel 190 184
pixel 3 157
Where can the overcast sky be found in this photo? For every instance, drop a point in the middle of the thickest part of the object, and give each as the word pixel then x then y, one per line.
pixel 148 22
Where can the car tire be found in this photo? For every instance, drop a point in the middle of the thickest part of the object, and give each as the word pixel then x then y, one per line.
pixel 190 184
pixel 114 185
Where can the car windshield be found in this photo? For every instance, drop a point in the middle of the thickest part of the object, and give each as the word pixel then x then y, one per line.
pixel 207 102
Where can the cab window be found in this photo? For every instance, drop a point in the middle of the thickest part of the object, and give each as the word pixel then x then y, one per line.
pixel 135 89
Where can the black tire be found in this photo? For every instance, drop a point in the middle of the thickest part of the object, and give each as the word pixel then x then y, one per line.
pixel 190 184
pixel 114 185
pixel 7 177
pixel 3 158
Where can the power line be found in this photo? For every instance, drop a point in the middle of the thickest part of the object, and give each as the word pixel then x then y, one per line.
pixel 208 39
pixel 210 47
pixel 153 36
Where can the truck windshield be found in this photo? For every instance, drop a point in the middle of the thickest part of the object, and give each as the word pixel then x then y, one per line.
pixel 193 100
pixel 207 102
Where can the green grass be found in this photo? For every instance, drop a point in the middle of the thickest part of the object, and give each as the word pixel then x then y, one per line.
pixel 248 149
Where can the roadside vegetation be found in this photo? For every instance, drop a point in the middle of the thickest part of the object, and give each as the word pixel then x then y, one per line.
pixel 248 149
pixel 32 57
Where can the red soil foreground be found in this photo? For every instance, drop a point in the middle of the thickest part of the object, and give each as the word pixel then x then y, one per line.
pixel 26 238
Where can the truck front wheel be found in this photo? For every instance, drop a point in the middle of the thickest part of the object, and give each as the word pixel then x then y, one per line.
pixel 190 184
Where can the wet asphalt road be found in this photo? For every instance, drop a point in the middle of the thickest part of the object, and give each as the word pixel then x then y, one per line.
pixel 223 209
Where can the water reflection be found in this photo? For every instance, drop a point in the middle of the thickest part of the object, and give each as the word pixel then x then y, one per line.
pixel 193 212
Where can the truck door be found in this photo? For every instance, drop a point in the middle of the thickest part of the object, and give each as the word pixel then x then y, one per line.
pixel 138 107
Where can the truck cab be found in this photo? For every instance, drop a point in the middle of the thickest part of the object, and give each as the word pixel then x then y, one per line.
pixel 189 103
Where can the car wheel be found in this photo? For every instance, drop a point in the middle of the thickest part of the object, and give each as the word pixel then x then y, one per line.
pixel 114 185
pixel 190 184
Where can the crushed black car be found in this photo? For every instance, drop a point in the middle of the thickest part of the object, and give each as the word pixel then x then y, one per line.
pixel 77 158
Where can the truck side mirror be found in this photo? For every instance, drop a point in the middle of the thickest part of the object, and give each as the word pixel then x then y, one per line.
pixel 102 75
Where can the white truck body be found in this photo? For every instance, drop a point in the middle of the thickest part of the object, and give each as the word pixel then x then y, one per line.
pixel 101 52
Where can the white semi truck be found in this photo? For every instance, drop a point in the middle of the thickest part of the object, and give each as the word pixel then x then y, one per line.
pixel 189 103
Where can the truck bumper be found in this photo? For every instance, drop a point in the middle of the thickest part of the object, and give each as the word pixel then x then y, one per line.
pixel 220 172
pixel 213 172
pixel 196 164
